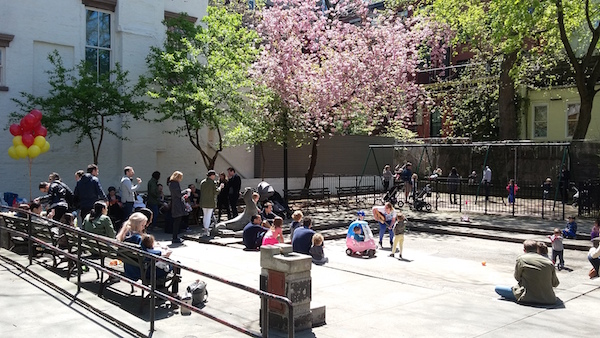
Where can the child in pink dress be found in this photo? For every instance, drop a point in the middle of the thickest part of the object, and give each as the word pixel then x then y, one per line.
pixel 275 233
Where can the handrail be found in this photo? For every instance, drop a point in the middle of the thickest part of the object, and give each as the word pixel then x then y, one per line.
pixel 153 259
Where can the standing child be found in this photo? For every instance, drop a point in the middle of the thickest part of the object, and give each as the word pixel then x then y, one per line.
pixel 275 233
pixel 512 191
pixel 399 229
pixel 571 230
pixel 547 187
pixel 557 248
pixel 316 251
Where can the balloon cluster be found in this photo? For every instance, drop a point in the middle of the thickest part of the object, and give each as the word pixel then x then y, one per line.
pixel 29 137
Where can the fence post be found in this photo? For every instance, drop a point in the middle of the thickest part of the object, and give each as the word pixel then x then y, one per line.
pixel 437 193
pixel 152 293
pixel 460 182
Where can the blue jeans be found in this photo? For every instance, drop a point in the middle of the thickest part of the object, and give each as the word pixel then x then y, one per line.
pixel 595 262
pixel 127 210
pixel 382 230
pixel 154 209
pixel 506 292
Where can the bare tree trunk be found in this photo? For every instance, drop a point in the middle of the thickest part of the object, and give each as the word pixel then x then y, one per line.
pixel 313 163
pixel 507 109
pixel 585 113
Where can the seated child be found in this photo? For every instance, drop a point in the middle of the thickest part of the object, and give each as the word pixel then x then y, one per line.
pixel 297 217
pixel 571 230
pixel 358 235
pixel 162 268
pixel 275 233
pixel 595 230
pixel 316 251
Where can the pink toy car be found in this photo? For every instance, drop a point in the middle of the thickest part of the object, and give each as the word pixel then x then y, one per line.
pixel 366 247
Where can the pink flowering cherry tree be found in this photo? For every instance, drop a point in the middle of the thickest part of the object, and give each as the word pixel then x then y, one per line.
pixel 336 67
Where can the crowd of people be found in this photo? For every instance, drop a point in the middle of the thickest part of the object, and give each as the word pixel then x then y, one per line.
pixel 116 215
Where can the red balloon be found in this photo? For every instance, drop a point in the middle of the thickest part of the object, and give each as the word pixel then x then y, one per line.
pixel 30 120
pixel 37 114
pixel 36 126
pixel 24 126
pixel 28 139
pixel 41 131
pixel 15 129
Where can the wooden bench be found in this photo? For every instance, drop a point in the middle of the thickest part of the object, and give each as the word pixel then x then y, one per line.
pixel 313 196
pixel 344 194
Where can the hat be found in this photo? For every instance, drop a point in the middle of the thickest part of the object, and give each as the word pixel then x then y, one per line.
pixel 211 172
pixel 361 213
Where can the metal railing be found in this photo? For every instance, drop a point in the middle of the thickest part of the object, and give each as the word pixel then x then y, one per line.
pixel 152 259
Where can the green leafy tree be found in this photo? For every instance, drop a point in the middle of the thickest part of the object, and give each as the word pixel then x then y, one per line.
pixel 199 77
pixel 85 103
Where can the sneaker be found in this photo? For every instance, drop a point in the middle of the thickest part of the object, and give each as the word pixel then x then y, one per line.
pixel 380 245
pixel 400 257
pixel 391 255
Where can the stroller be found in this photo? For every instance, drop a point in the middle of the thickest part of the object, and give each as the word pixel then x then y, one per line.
pixel 368 247
pixel 268 193
pixel 419 202
pixel 392 195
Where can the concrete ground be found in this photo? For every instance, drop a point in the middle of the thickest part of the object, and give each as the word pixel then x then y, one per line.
pixel 440 288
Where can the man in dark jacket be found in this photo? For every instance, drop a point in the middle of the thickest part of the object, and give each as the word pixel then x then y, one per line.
pixel 55 197
pixel 233 192
pixel 88 190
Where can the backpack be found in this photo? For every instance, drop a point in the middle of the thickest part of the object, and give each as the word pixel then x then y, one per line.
pixel 69 196
pixel 198 291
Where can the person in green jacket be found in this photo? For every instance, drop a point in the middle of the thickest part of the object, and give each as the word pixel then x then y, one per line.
pixel 536 278
pixel 97 222
pixel 208 195
pixel 153 202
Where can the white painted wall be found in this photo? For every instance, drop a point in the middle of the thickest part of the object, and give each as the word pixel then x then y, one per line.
pixel 41 26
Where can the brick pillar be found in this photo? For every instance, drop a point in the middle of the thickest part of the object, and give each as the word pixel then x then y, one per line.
pixel 287 274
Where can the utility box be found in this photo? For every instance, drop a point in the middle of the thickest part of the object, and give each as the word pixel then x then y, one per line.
pixel 287 274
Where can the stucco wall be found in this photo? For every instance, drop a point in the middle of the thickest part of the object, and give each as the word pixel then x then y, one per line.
pixel 557 101
pixel 39 27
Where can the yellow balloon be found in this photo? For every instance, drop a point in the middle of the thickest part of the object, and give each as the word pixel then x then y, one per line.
pixel 12 152
pixel 21 151
pixel 46 147
pixel 39 141
pixel 17 140
pixel 33 151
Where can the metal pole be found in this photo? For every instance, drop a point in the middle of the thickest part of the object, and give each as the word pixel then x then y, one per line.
pixel 152 293
pixel 265 317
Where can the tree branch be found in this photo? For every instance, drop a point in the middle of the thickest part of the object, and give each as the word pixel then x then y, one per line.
pixel 565 39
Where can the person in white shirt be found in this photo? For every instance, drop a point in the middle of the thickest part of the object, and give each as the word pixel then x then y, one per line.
pixel 127 191
pixel 594 256
pixel 486 181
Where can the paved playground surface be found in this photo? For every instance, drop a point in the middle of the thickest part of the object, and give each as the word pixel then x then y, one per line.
pixel 440 288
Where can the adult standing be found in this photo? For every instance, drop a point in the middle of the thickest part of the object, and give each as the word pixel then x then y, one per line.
pixel 563 183
pixel 453 182
pixel 208 198
pixel 153 195
pixel 536 278
pixel 386 217
pixel 388 177
pixel 486 181
pixel 233 192
pixel 128 191
pixel 406 176
pixel 177 206
pixel 222 198
pixel 88 190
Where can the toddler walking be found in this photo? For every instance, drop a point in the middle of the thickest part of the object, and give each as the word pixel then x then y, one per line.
pixel 557 248
pixel 399 229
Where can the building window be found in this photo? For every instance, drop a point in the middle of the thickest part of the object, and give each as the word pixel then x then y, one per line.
pixel 540 121
pixel 435 129
pixel 572 118
pixel 2 56
pixel 5 40
pixel 98 41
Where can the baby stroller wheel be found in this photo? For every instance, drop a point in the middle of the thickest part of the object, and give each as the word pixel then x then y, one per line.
pixel 428 207
pixel 371 253
pixel 400 204
pixel 349 252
